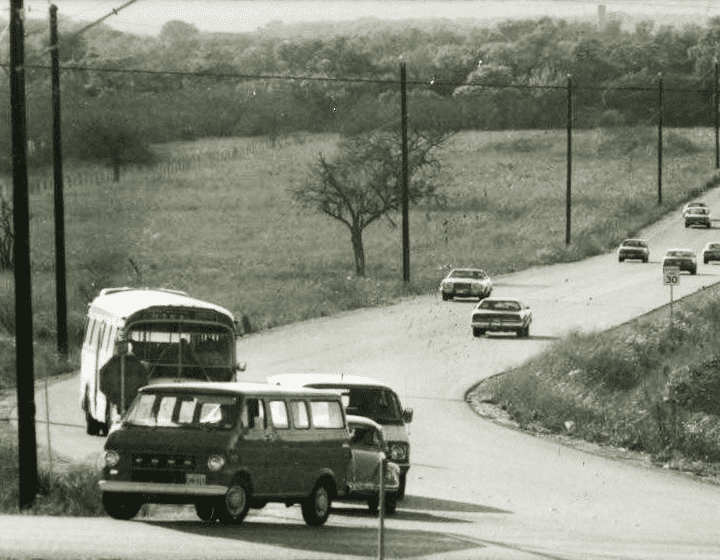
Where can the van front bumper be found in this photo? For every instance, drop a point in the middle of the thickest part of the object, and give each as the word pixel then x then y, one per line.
pixel 155 488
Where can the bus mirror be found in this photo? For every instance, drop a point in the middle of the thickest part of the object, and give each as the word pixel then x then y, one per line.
pixel 408 415
pixel 122 348
pixel 241 366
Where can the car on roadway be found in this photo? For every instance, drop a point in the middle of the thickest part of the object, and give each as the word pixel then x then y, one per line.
pixel 466 282
pixel 363 396
pixel 694 204
pixel 684 259
pixel 711 252
pixel 697 216
pixel 634 249
pixel 369 451
pixel 497 314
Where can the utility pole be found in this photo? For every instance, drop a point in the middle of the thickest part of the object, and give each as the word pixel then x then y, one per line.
pixel 568 189
pixel 716 101
pixel 660 135
pixel 405 194
pixel 27 443
pixel 60 276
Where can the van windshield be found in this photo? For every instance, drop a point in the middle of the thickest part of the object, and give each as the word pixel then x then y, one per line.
pixel 377 403
pixel 182 410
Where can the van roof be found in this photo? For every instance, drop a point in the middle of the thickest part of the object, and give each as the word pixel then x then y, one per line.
pixel 124 302
pixel 339 379
pixel 242 388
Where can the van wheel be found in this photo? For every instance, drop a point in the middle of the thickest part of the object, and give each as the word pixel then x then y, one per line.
pixel 121 506
pixel 235 505
pixel 316 507
pixel 205 511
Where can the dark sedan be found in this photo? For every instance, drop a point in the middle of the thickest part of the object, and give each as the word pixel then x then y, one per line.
pixel 711 252
pixel 684 259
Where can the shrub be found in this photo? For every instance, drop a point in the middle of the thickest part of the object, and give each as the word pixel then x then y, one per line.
pixel 698 390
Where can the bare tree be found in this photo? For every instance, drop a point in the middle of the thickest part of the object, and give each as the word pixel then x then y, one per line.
pixel 364 181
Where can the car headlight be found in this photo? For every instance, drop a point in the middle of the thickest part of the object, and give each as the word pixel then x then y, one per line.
pixel 398 451
pixel 112 458
pixel 215 462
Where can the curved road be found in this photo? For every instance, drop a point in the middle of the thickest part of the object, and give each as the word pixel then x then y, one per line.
pixel 475 490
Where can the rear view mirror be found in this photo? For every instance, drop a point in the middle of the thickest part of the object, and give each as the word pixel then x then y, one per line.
pixel 240 366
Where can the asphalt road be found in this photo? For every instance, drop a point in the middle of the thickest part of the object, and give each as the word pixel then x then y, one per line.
pixel 476 490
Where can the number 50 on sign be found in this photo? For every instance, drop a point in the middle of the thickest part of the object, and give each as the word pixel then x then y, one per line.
pixel 671 276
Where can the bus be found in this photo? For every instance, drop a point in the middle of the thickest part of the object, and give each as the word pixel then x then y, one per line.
pixel 140 336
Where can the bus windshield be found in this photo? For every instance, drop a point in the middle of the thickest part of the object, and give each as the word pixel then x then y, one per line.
pixel 184 350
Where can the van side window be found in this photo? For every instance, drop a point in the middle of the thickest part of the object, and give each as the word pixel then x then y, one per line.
pixel 278 412
pixel 299 412
pixel 326 414
pixel 253 414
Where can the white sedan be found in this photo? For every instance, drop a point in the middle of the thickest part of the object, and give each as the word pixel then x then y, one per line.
pixel 466 282
pixel 501 315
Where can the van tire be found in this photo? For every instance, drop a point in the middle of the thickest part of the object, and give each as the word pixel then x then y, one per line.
pixel 205 510
pixel 121 506
pixel 316 507
pixel 234 506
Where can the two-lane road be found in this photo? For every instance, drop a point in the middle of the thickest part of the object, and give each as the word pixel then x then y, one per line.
pixel 475 490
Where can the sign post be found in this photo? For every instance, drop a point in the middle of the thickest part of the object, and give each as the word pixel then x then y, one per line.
pixel 671 277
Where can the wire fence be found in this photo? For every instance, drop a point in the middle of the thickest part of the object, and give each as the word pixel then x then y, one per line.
pixel 163 170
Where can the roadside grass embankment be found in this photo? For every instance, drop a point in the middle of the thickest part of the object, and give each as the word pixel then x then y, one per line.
pixel 648 386
pixel 230 233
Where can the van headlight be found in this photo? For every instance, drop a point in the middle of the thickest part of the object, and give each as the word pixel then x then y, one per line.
pixel 112 458
pixel 398 451
pixel 215 462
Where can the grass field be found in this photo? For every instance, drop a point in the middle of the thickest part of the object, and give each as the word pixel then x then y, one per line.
pixel 231 234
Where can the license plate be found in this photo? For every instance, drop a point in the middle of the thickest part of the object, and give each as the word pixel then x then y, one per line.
pixel 195 479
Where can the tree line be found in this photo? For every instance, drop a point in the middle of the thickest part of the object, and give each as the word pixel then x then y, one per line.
pixel 123 92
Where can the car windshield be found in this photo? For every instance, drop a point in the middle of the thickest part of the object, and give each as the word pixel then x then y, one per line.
pixel 499 305
pixel 182 410
pixel 634 243
pixel 699 210
pixel 680 254
pixel 377 403
pixel 472 274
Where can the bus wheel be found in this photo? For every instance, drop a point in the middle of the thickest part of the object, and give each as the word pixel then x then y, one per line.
pixel 92 426
pixel 121 506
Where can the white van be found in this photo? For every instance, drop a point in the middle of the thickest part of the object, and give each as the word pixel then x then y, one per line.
pixel 366 397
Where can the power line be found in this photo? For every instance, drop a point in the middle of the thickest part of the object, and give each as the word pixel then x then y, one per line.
pixel 114 12
pixel 300 78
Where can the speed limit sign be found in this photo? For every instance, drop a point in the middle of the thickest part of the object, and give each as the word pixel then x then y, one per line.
pixel 671 276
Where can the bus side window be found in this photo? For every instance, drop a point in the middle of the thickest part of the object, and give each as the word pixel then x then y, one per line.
pixel 89 331
pixel 253 414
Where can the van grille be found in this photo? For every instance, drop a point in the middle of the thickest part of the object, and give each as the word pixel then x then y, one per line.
pixel 169 462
